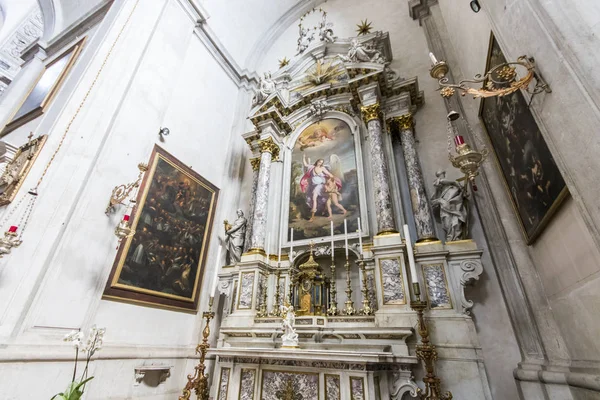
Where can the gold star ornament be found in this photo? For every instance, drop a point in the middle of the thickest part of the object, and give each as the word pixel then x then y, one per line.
pixel 284 62
pixel 364 27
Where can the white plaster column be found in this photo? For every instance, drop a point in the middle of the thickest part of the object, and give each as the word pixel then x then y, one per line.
pixel 418 196
pixel 383 199
pixel 268 151
pixel 255 162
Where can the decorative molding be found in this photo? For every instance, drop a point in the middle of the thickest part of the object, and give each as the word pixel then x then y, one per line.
pixel 403 122
pixel 29 31
pixel 164 371
pixel 371 112
pixel 419 9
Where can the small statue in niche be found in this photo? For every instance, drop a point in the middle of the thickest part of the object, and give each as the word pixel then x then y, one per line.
pixel 360 52
pixel 450 198
pixel 289 337
pixel 235 237
pixel 266 86
pixel 325 30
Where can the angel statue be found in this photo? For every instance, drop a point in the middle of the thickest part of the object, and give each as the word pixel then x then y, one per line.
pixel 360 52
pixel 304 40
pixel 235 236
pixel 266 86
pixel 322 185
pixel 289 337
pixel 450 199
pixel 326 31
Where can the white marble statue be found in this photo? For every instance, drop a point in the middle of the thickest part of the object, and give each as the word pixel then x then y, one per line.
pixel 290 337
pixel 235 236
pixel 449 198
pixel 266 86
pixel 360 52
pixel 304 39
pixel 326 31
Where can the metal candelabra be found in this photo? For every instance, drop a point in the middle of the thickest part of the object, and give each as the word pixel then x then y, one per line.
pixel 198 382
pixel 349 308
pixel 366 308
pixel 276 311
pixel 332 310
pixel 427 353
pixel 263 305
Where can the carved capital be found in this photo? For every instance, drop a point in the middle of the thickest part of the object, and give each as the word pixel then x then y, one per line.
pixel 255 162
pixel 269 145
pixel 403 122
pixel 371 112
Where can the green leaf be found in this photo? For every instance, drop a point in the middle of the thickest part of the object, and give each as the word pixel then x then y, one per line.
pixel 73 391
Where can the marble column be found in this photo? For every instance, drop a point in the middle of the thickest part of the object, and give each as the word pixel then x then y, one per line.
pixel 268 151
pixel 418 197
pixel 255 162
pixel 383 199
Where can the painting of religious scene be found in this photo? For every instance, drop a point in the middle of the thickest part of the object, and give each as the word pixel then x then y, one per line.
pixel 535 185
pixel 324 181
pixel 163 262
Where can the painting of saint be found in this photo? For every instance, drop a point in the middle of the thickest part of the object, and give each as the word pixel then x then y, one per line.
pixel 535 185
pixel 163 262
pixel 324 180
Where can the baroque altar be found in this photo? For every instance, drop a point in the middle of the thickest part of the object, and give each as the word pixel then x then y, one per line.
pixel 325 171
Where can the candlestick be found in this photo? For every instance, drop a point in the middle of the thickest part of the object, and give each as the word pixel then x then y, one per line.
pixel 332 243
pixel 411 256
pixel 346 237
pixel 216 278
pixel 360 238
pixel 432 58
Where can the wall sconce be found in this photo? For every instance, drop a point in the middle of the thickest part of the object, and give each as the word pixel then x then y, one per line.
pixel 121 193
pixel 500 80
pixel 162 133
pixel 475 6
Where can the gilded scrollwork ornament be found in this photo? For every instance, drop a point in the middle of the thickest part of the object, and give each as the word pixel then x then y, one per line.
pixel 371 112
pixel 268 145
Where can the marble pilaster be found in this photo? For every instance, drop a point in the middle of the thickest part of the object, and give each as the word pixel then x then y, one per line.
pixel 269 150
pixel 418 196
pixel 383 199
pixel 255 162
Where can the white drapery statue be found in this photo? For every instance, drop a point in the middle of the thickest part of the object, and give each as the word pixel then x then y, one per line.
pixel 449 198
pixel 290 337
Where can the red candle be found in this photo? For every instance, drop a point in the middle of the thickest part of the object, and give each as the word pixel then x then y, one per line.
pixel 125 217
pixel 458 140
pixel 12 229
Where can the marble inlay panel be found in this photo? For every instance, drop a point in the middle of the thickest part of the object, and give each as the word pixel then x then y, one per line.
pixel 247 380
pixel 223 384
pixel 437 286
pixel 332 387
pixel 274 384
pixel 357 388
pixel 391 281
pixel 246 290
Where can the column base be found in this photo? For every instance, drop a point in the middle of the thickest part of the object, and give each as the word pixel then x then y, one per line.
pixel 387 232
pixel 255 251
pixel 430 239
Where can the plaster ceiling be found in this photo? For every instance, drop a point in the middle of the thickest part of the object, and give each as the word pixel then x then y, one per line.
pixel 13 13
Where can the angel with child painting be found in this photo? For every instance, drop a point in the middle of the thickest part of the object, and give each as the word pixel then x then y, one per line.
pixel 322 185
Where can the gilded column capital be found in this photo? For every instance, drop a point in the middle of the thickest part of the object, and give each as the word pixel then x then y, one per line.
pixel 255 162
pixel 403 122
pixel 371 112
pixel 269 145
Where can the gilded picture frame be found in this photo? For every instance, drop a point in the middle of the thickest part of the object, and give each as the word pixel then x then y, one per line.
pixel 162 264
pixel 530 175
pixel 45 88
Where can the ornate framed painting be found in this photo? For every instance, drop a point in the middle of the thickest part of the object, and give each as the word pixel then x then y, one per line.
pixel 325 181
pixel 534 183
pixel 45 87
pixel 163 262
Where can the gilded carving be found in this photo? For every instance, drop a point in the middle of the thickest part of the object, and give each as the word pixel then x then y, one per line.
pixel 269 145
pixel 255 162
pixel 371 112
pixel 403 121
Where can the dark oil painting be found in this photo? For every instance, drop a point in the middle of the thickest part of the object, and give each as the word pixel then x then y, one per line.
pixel 324 181
pixel 162 264
pixel 532 178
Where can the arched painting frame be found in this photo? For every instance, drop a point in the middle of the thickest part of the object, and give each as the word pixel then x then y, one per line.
pixel 336 140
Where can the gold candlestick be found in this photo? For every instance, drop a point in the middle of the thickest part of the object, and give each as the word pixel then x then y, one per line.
pixel 198 382
pixel 333 310
pixel 366 308
pixel 349 309
pixel 263 306
pixel 427 353
pixel 276 311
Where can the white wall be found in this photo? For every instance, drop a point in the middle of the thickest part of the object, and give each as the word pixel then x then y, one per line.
pixel 159 74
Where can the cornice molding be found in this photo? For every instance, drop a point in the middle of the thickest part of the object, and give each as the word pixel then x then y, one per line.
pixel 419 9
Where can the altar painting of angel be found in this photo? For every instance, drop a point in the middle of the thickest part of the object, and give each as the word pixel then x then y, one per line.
pixel 324 182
